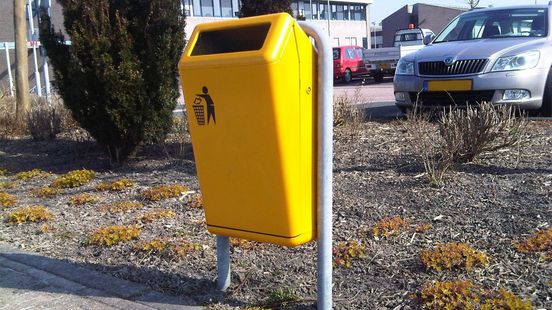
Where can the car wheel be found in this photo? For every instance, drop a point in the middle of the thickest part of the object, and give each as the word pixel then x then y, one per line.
pixel 378 78
pixel 546 108
pixel 348 77
pixel 404 110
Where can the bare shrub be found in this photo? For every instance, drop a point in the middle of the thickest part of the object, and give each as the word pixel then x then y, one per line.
pixel 348 116
pixel 45 120
pixel 429 146
pixel 177 145
pixel 9 126
pixel 483 129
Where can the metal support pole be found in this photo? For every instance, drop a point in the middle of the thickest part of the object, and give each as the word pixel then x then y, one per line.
pixel 32 39
pixel 8 63
pixel 325 163
pixel 223 263
pixel 45 4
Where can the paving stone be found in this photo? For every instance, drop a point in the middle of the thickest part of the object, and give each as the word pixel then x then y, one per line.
pixel 31 281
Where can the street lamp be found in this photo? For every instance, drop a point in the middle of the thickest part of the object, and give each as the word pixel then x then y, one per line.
pixel 374 36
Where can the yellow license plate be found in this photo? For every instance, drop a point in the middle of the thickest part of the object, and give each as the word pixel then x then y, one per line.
pixel 385 66
pixel 451 85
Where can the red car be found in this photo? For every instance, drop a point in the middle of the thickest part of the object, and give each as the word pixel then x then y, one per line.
pixel 348 63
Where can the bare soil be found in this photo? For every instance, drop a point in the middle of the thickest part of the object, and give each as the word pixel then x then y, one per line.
pixel 489 205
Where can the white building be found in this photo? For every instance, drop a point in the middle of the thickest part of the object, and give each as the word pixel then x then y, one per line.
pixel 347 21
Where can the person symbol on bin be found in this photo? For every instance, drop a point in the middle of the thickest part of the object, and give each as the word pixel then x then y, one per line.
pixel 210 105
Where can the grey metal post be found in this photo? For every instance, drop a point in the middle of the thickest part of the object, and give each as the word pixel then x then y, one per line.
pixel 32 37
pixel 325 163
pixel 8 63
pixel 46 4
pixel 223 263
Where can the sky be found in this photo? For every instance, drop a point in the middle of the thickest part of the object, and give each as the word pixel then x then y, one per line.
pixel 383 8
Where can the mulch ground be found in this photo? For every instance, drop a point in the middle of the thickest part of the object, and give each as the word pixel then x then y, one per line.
pixel 490 205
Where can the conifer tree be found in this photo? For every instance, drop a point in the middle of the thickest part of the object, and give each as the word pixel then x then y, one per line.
pixel 119 74
pixel 263 7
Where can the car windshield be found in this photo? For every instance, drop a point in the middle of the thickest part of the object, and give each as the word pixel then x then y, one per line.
pixel 336 53
pixel 496 24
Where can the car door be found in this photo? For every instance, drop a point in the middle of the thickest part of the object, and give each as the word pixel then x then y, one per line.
pixel 361 67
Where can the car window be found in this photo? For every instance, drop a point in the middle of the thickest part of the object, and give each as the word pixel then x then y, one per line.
pixel 359 52
pixel 336 53
pixel 496 24
pixel 350 53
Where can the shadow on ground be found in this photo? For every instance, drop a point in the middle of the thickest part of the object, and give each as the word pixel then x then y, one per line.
pixel 84 282
pixel 63 155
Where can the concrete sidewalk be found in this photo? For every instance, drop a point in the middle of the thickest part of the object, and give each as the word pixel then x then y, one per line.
pixel 31 281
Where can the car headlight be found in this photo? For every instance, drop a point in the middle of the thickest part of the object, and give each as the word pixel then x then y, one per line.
pixel 527 60
pixel 405 67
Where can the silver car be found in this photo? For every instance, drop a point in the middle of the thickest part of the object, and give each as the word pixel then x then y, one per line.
pixel 500 55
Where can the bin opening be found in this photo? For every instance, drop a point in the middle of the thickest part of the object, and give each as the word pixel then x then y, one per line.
pixel 242 39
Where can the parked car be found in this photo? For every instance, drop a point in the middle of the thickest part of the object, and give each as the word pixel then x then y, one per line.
pixel 381 62
pixel 501 55
pixel 348 63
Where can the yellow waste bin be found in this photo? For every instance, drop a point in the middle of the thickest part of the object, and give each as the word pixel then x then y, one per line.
pixel 250 93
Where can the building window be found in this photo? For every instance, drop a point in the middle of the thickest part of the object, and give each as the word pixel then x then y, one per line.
pixel 323 11
pixel 204 8
pixel 338 12
pixel 358 12
pixel 226 8
pixel 346 9
pixel 295 8
pixel 197 8
pixel 314 10
pixel 305 9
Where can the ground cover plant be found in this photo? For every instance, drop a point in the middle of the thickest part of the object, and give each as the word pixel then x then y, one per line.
pixel 499 206
pixel 28 214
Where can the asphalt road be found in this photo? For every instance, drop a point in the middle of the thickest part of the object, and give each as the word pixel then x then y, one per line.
pixel 377 100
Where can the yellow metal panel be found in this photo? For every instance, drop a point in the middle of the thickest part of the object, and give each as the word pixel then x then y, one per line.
pixel 252 122
pixel 450 85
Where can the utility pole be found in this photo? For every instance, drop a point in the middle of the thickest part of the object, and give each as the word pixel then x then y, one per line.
pixel 21 61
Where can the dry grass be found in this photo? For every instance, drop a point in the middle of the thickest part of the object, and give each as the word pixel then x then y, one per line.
pixel 429 146
pixel 45 120
pixel 348 116
pixel 9 126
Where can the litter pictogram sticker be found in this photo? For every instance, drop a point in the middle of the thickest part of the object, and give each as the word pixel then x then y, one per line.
pixel 203 102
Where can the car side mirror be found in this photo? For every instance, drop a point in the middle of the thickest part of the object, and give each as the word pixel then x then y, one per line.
pixel 428 39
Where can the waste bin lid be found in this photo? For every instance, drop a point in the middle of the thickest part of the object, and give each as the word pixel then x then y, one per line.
pixel 260 39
